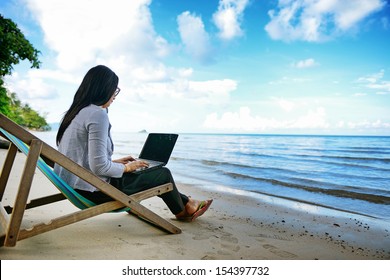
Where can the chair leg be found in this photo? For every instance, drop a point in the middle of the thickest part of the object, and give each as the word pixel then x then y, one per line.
pixel 9 160
pixel 23 192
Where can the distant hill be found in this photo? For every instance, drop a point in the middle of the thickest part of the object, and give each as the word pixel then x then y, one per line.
pixel 21 113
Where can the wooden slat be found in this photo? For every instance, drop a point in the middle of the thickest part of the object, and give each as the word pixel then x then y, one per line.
pixel 70 219
pixel 40 201
pixel 23 192
pixel 159 190
pixel 16 130
pixel 7 166
pixel 45 200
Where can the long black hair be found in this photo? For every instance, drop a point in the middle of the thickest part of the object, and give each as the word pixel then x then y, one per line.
pixel 97 87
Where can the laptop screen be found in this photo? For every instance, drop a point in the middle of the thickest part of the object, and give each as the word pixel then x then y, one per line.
pixel 158 147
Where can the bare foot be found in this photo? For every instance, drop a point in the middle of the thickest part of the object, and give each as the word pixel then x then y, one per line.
pixel 194 209
pixel 189 209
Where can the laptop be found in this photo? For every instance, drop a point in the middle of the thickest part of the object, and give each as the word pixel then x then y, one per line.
pixel 157 150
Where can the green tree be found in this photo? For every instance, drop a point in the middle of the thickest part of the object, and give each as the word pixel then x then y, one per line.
pixel 4 100
pixel 32 119
pixel 14 47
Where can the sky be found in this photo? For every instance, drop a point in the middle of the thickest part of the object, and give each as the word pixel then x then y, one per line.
pixel 214 66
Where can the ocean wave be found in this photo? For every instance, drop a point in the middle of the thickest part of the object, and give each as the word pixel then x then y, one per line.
pixel 351 158
pixel 338 158
pixel 356 150
pixel 333 161
pixel 374 198
pixel 305 201
pixel 237 164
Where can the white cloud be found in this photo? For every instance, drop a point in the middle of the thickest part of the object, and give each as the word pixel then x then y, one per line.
pixel 360 94
pixel 375 82
pixel 383 87
pixel 289 80
pixel 243 120
pixel 365 125
pixel 238 121
pixel 285 104
pixel 213 91
pixel 185 72
pixel 54 75
pixel 313 119
pixel 228 18
pixel 385 23
pixel 179 104
pixel 372 78
pixel 377 124
pixel 306 63
pixel 31 89
pixel 318 20
pixel 150 72
pixel 85 32
pixel 194 36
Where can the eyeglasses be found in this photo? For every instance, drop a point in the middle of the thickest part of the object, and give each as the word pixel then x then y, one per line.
pixel 117 92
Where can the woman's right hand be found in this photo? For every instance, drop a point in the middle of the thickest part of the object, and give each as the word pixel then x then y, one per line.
pixel 134 165
pixel 124 160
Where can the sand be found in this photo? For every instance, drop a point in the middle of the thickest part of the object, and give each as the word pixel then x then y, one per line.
pixel 238 226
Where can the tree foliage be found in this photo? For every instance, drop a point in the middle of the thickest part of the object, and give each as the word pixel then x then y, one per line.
pixel 25 116
pixel 4 100
pixel 14 47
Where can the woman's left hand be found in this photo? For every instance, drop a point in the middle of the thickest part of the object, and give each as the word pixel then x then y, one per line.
pixel 124 160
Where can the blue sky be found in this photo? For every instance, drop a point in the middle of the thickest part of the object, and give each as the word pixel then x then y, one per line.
pixel 227 66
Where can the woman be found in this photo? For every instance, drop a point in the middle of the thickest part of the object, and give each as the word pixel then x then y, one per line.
pixel 84 136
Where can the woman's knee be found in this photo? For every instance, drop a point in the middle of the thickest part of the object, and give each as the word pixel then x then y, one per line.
pixel 161 175
pixel 166 170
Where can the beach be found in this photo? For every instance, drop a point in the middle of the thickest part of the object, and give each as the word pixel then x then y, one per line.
pixel 236 227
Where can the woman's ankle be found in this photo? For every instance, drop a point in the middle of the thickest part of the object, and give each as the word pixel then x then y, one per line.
pixel 189 209
pixel 192 206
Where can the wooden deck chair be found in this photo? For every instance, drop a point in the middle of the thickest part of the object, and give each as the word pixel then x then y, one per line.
pixel 41 155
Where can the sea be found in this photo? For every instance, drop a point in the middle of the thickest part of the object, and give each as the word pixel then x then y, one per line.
pixel 347 174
